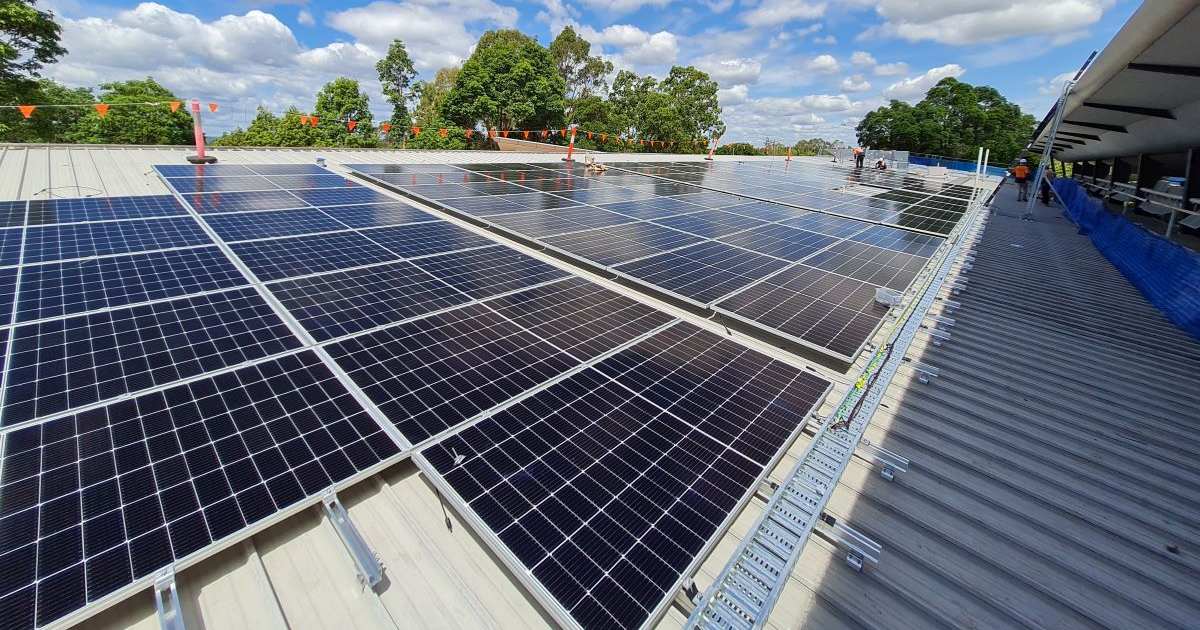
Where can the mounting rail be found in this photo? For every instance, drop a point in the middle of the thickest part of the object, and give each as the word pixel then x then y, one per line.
pixel 747 588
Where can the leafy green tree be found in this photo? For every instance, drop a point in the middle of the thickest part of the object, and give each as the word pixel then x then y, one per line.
pixel 953 120
pixel 738 148
pixel 396 74
pixel 509 82
pixel 431 137
pixel 585 76
pixel 339 102
pixel 683 108
pixel 129 121
pixel 48 124
pixel 269 130
pixel 694 97
pixel 29 39
pixel 812 146
pixel 432 97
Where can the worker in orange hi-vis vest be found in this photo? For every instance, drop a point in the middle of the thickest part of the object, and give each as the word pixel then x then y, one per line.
pixel 1020 173
pixel 859 156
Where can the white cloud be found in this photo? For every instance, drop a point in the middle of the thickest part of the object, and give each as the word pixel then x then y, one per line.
pixel 730 71
pixel 963 22
pixel 913 88
pixel 305 17
pixel 623 6
pixel 827 40
pixel 891 69
pixel 635 46
pixel 824 64
pixel 862 58
pixel 855 83
pixel 718 6
pixel 1054 87
pixel 778 12
pixel 733 95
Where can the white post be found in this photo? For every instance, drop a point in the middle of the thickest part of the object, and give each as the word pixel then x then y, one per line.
pixel 987 154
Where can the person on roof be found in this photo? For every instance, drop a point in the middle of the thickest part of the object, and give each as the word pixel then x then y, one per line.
pixel 859 156
pixel 1020 173
pixel 880 164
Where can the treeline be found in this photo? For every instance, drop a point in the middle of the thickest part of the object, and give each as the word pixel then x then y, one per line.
pixel 953 120
pixel 810 146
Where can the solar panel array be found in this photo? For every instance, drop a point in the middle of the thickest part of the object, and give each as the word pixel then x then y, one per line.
pixel 177 373
pixel 807 276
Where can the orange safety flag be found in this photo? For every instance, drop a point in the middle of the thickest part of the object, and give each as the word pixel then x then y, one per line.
pixel 351 124
pixel 545 133
pixel 416 131
pixel 312 120
pixel 102 109
pixel 26 110
pixel 525 134
pixel 603 137
pixel 589 135
pixel 443 132
pixel 504 133
pixel 386 127
pixel 470 132
pixel 304 121
pixel 174 106
pixel 562 132
pixel 212 107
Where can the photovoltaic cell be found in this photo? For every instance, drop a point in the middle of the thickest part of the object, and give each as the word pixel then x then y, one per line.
pixel 378 214
pixel 48 211
pixel 560 221
pixel 66 288
pixel 325 180
pixel 780 241
pixel 433 373
pixel 288 169
pixel 922 245
pixel 339 303
pixel 186 185
pixel 80 240
pixel 301 255
pixel 423 239
pixel 10 246
pixel 62 364
pixel 205 203
pixel 873 265
pixel 710 223
pixel 622 243
pixel 579 317
pixel 604 497
pixel 657 208
pixel 703 272
pixel 489 271
pixel 202 170
pixel 93 501
pixel 244 226
pixel 341 196
pixel 827 224
pixel 12 213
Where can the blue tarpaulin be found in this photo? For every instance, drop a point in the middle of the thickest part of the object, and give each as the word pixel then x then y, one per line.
pixel 958 165
pixel 1167 273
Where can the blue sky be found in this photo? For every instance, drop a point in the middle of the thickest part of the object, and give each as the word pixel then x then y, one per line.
pixel 788 69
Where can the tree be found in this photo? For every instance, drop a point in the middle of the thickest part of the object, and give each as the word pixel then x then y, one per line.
pixel 738 148
pixel 48 124
pixel 396 74
pixel 129 121
pixel 28 40
pixel 269 130
pixel 694 97
pixel 509 82
pixel 812 146
pixel 953 120
pixel 339 102
pixel 683 108
pixel 584 76
pixel 432 97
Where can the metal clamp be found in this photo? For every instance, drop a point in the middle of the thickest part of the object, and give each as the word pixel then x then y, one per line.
pixel 166 601
pixel 370 569
pixel 889 463
pixel 860 550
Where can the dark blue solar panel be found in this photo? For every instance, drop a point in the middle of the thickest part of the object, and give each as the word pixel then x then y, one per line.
pixel 47 211
pixel 766 211
pixel 8 289
pixel 489 271
pixel 63 364
pixel 285 257
pixel 324 180
pixel 423 239
pixel 335 304
pixel 378 214
pixel 560 221
pixel 710 223
pixel 703 272
pixel 402 168
pixel 873 265
pixel 288 169
pixel 220 184
pixel 56 289
pixel 657 208
pixel 827 224
pixel 341 196
pixel 922 245
pixel 244 226
pixel 12 213
pixel 80 240
pixel 622 243
pixel 202 170
pixel 93 501
pixel 780 241
pixel 606 498
pixel 243 201
pixel 432 374
pixel 10 246
pixel 484 206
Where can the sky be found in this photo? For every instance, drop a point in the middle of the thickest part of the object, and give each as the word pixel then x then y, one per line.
pixel 788 69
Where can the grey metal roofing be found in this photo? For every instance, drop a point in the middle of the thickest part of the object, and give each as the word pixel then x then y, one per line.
pixel 1054 459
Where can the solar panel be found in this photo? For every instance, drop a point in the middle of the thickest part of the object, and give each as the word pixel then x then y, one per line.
pixel 302 255
pixel 621 243
pixel 780 241
pixel 12 213
pixel 245 226
pixel 205 203
pixel 423 239
pixel 288 169
pixel 65 288
pixel 336 304
pixel 10 246
pixel 377 215
pixel 322 180
pixel 873 265
pixel 81 240
pixel 605 498
pixel 188 185
pixel 561 221
pixel 703 272
pixel 62 364
pixel 489 271
pixel 340 196
pixel 900 240
pixel 203 170
pixel 710 223
pixel 91 502
pixel 48 211
pixel 658 208
pixel 431 374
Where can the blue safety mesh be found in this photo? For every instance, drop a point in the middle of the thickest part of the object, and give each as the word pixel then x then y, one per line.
pixel 957 165
pixel 1167 273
